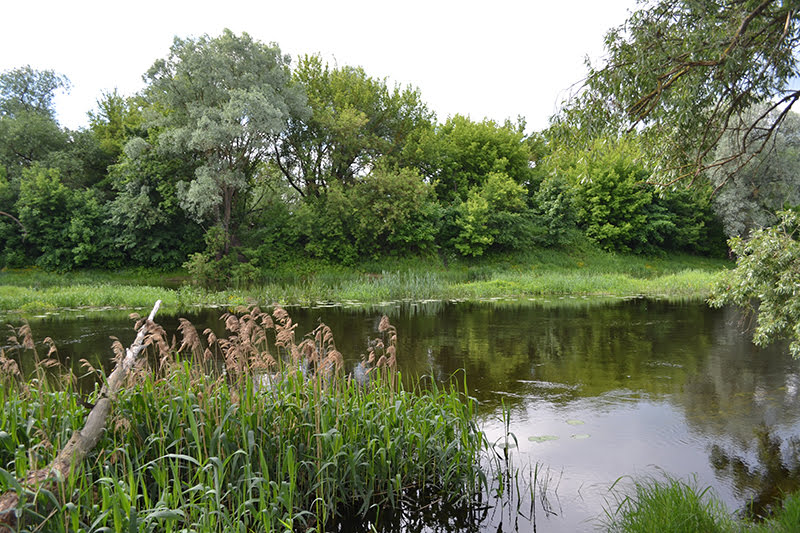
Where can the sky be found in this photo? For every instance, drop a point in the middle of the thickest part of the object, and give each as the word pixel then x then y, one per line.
pixel 496 60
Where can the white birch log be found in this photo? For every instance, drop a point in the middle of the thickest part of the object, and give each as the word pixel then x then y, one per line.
pixel 81 441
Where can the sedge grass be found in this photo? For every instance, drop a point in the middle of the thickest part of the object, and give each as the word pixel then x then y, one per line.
pixel 668 506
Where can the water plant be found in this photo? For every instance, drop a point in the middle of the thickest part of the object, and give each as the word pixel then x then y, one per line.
pixel 255 430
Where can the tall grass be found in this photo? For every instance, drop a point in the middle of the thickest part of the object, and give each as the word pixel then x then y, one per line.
pixel 670 506
pixel 257 431
pixel 582 271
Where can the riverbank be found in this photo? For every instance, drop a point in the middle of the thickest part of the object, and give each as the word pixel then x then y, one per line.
pixel 674 505
pixel 539 273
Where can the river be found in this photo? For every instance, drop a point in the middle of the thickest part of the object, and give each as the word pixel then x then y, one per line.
pixel 598 393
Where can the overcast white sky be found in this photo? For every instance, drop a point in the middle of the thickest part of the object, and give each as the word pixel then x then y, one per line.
pixel 496 59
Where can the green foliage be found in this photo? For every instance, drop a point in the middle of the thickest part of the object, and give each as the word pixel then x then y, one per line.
pixel 149 227
pixel 28 137
pixel 213 268
pixel 64 227
pixel 682 73
pixel 223 99
pixel 611 201
pixel 618 207
pixel 672 506
pixel 494 215
pixel 355 121
pixel 325 223
pixel 554 211
pixel 388 212
pixel 472 219
pixel 25 90
pixel 749 197
pixel 461 154
pixel 115 121
pixel 767 271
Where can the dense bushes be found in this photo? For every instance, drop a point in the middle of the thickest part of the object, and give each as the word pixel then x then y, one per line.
pixel 618 206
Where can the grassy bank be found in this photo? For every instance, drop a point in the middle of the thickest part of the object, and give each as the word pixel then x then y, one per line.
pixel 192 449
pixel 579 272
pixel 673 506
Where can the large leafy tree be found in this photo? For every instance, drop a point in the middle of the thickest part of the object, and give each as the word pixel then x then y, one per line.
pixel 223 99
pixel 685 73
pixel 462 153
pixel 355 121
pixel 28 129
pixel 749 198
pixel 26 90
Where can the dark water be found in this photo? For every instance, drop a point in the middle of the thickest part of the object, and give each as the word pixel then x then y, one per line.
pixel 596 392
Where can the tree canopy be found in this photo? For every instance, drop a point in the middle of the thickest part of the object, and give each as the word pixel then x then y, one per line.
pixel 355 120
pixel 224 99
pixel 684 73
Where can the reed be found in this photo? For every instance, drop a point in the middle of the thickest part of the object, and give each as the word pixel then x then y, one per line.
pixel 258 430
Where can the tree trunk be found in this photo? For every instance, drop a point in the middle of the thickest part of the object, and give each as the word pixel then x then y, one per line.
pixel 82 441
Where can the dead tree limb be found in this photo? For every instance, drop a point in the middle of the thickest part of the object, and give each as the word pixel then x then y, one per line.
pixel 83 440
pixel 15 219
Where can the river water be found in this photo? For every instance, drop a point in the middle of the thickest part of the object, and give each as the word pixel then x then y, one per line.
pixel 597 393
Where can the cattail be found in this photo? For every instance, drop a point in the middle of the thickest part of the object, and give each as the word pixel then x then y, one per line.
pixel 190 337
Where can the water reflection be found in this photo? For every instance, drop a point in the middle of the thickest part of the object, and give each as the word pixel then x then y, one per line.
pixel 596 390
pixel 763 477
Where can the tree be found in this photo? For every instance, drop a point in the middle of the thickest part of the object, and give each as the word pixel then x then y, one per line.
pixel 685 73
pixel 25 90
pixel 150 228
pixel 749 198
pixel 116 120
pixel 64 226
pixel 28 129
pixel 355 121
pixel 389 212
pixel 223 99
pixel 461 154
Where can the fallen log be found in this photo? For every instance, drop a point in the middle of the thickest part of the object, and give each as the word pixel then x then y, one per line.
pixel 81 441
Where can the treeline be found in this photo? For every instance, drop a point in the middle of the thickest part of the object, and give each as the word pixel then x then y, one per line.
pixel 232 161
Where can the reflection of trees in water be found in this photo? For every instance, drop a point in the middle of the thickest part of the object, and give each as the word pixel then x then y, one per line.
pixel 774 473
pixel 642 346
pixel 738 386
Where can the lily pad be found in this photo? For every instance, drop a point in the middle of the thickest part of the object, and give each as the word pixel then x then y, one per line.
pixel 574 422
pixel 542 438
pixel 505 445
pixel 580 436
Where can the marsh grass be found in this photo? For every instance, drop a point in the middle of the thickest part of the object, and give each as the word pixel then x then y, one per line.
pixel 582 271
pixel 258 430
pixel 668 506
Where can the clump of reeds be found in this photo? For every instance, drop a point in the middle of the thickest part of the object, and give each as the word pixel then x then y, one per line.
pixel 199 442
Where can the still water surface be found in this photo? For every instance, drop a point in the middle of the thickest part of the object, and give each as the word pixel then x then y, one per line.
pixel 596 392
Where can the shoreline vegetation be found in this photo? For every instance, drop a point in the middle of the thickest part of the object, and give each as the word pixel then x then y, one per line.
pixel 279 438
pixel 537 274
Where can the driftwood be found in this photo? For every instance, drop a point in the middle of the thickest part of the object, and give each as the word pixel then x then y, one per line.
pixel 82 441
